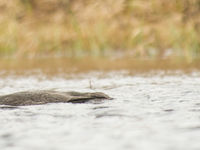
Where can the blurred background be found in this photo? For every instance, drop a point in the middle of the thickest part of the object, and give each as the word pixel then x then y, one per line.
pixel 143 53
pixel 153 29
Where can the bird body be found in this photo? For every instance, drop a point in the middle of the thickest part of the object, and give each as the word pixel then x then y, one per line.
pixel 48 96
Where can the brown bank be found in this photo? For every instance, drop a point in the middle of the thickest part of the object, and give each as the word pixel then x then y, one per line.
pixel 48 96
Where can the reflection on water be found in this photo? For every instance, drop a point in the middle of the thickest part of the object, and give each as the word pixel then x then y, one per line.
pixel 62 66
pixel 153 112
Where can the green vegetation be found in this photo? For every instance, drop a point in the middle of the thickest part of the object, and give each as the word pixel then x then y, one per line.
pixel 141 28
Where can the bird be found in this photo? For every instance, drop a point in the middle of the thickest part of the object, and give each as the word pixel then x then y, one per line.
pixel 40 97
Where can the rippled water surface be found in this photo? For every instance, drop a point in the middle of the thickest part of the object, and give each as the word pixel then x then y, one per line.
pixel 154 112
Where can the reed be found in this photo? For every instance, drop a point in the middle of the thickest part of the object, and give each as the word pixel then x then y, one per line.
pixel 140 28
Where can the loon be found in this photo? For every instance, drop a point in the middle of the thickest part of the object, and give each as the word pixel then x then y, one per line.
pixel 49 96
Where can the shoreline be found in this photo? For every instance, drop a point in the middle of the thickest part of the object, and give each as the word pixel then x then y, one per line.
pixel 63 65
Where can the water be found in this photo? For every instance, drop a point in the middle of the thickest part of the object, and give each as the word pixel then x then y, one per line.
pixel 154 112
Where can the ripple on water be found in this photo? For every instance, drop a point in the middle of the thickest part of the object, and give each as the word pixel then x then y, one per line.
pixel 148 112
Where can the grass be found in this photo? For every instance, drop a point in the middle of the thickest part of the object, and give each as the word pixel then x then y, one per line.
pixel 140 28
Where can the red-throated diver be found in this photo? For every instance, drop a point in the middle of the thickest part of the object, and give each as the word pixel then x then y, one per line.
pixel 48 96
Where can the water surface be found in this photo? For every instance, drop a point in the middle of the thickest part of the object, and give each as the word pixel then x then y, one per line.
pixel 150 111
